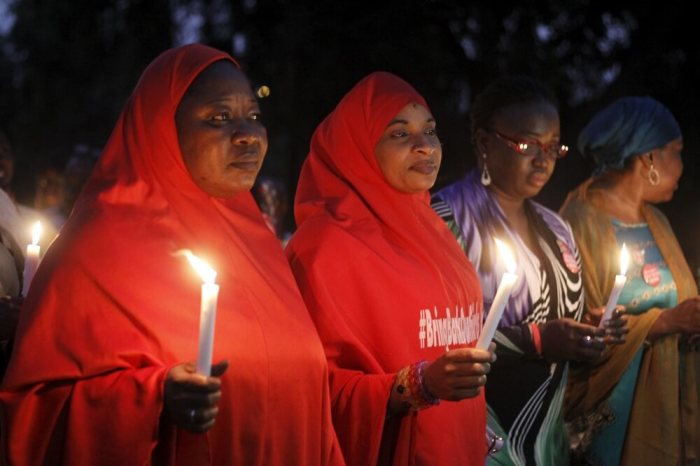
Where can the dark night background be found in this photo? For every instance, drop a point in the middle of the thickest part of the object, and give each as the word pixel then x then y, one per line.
pixel 67 67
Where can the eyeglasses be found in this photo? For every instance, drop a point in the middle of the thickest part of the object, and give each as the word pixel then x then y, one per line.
pixel 534 148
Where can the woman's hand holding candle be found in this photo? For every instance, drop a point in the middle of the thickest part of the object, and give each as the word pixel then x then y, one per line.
pixel 565 339
pixel 191 399
pixel 459 373
pixel 620 281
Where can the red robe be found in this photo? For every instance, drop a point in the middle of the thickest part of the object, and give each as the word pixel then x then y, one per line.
pixel 112 309
pixel 386 284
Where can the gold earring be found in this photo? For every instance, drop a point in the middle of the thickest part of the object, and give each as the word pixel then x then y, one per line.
pixel 654 177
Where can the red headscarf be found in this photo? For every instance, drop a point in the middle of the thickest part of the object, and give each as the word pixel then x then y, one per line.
pixel 112 308
pixel 381 273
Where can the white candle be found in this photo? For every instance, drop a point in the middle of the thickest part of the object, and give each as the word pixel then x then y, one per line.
pixel 500 299
pixel 207 313
pixel 31 260
pixel 617 287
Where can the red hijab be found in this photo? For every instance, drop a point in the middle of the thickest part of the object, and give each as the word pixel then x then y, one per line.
pixel 112 308
pixel 377 268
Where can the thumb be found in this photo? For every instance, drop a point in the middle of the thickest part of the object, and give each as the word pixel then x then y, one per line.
pixel 218 369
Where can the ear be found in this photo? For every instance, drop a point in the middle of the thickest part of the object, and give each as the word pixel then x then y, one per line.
pixel 647 160
pixel 481 142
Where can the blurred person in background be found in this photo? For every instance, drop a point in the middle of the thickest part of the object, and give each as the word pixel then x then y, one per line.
pixel 273 200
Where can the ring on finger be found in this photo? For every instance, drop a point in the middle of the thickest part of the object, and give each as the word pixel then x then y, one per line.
pixel 586 340
pixel 192 414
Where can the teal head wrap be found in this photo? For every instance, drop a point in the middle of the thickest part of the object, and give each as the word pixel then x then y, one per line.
pixel 629 126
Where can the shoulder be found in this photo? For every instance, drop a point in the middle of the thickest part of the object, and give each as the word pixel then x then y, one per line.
pixel 458 200
pixel 455 192
pixel 441 207
pixel 556 223
pixel 582 215
pixel 553 219
pixel 657 214
pixel 319 240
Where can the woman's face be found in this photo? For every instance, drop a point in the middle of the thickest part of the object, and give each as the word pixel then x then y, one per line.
pixel 222 139
pixel 409 151
pixel 515 174
pixel 667 161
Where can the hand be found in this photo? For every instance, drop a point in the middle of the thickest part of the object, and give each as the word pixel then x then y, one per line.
pixel 593 315
pixel 692 343
pixel 459 373
pixel 565 339
pixel 191 399
pixel 616 327
pixel 684 318
pixel 9 315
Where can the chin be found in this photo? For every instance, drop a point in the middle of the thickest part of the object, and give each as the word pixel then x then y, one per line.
pixel 425 184
pixel 664 198
pixel 229 189
pixel 244 182
pixel 530 192
pixel 417 189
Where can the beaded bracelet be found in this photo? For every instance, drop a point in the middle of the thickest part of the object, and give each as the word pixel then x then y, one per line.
pixel 410 385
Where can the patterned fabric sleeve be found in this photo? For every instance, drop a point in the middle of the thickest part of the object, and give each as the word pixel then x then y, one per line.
pixel 515 341
pixel 444 211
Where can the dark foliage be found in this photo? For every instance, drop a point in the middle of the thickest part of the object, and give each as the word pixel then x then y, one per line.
pixel 66 68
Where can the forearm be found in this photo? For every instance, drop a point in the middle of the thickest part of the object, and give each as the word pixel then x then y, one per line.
pixel 665 324
pixel 122 407
pixel 524 337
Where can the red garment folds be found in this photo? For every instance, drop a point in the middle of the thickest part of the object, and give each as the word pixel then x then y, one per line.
pixel 387 285
pixel 112 309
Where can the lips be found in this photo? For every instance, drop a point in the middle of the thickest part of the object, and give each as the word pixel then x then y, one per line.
pixel 538 178
pixel 425 167
pixel 246 161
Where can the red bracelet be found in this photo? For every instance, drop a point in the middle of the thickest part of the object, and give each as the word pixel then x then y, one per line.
pixel 536 338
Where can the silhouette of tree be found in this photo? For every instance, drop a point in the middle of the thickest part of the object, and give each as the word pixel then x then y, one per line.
pixel 66 68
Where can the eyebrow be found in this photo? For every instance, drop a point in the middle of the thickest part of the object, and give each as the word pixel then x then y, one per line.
pixel 398 121
pixel 217 100
pixel 531 135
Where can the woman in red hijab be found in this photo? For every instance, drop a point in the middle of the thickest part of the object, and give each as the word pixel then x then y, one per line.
pixel 98 374
pixel 395 301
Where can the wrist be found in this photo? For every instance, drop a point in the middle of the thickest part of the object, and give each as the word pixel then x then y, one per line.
pixel 536 338
pixel 669 323
pixel 410 389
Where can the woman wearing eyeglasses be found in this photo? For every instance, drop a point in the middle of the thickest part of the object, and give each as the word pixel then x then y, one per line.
pixel 515 132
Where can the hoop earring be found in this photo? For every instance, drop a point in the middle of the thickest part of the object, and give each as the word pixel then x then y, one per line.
pixel 654 177
pixel 485 175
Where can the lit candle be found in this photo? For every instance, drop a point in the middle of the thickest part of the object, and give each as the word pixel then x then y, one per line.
pixel 207 312
pixel 617 287
pixel 31 261
pixel 501 298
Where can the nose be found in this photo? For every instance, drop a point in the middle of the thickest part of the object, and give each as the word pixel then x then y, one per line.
pixel 543 158
pixel 245 134
pixel 424 144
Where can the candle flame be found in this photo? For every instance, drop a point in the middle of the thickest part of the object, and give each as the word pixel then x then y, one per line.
pixel 506 255
pixel 624 259
pixel 36 232
pixel 202 268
